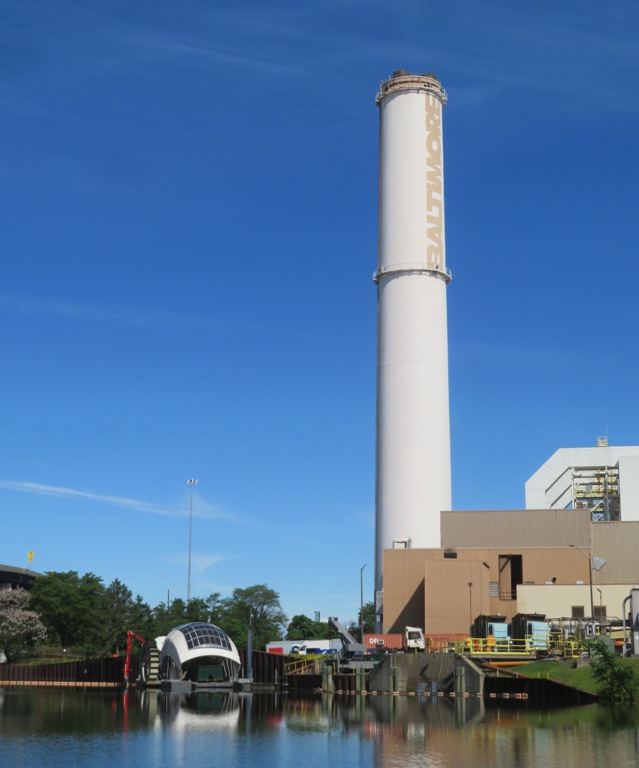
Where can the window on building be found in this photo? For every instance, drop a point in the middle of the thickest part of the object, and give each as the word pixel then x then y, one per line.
pixel 577 612
pixel 600 612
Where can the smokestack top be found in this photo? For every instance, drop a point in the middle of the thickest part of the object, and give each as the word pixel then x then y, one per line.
pixel 402 80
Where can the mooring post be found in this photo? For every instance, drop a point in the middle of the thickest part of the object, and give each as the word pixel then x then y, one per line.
pixel 460 680
pixel 327 677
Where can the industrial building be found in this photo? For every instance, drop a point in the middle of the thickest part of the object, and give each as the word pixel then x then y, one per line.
pixel 572 551
pixel 558 562
pixel 604 479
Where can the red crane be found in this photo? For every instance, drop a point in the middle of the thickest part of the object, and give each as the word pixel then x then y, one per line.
pixel 127 663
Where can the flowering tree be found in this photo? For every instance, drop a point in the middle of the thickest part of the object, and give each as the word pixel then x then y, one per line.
pixel 20 627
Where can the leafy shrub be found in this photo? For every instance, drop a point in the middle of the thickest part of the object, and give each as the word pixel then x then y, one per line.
pixel 616 682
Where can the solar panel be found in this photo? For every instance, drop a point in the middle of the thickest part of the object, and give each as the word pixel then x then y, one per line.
pixel 200 635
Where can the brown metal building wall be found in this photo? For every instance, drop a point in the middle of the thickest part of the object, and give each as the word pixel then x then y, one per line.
pixel 425 589
pixel 516 528
pixel 404 588
pixel 565 565
pixel 618 544
pixel 450 603
pixel 447 604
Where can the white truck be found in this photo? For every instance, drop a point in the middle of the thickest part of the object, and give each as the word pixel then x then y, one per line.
pixel 414 641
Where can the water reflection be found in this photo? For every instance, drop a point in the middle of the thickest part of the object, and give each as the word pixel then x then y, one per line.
pixel 219 711
pixel 97 729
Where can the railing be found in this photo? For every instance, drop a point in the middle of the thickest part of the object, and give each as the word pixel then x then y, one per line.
pixel 305 665
pixel 413 267
pixel 531 645
pixel 443 643
pixel 481 646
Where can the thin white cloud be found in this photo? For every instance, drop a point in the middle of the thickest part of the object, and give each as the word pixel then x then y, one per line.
pixel 199 563
pixel 182 46
pixel 109 314
pixel 201 509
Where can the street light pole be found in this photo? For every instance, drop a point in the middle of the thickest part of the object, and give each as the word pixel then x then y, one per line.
pixel 190 482
pixel 361 603
pixel 592 600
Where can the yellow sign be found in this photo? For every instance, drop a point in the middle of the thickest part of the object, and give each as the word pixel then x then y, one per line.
pixel 30 556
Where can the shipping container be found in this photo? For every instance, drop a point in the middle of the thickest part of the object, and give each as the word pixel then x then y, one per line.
pixel 381 642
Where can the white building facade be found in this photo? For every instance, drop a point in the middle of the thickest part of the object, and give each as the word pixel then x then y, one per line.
pixel 604 479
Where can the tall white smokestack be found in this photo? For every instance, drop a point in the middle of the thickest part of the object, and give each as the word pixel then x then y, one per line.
pixel 413 482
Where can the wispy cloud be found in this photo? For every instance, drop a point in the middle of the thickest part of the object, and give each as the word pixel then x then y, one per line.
pixel 199 563
pixel 135 317
pixel 202 509
pixel 167 45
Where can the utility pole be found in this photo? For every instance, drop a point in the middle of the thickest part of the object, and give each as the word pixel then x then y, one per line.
pixel 361 603
pixel 190 482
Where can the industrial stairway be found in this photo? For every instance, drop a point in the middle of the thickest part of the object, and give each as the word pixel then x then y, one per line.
pixel 151 667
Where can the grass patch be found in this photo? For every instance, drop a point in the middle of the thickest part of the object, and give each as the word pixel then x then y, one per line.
pixel 567 672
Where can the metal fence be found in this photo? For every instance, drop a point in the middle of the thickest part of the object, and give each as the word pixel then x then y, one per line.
pixel 107 672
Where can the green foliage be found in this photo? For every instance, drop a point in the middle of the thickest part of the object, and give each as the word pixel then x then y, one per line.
pixel 369 621
pixel 303 628
pixel 80 611
pixel 616 682
pixel 20 627
pixel 197 609
pixel 214 604
pixel 118 599
pixel 73 608
pixel 141 619
pixel 258 606
pixel 177 613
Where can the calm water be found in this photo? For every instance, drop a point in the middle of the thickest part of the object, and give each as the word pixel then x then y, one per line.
pixel 45 728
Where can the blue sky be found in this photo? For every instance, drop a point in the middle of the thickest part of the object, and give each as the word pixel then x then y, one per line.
pixel 189 233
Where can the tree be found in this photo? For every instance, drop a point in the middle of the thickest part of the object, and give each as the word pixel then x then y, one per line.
pixel 258 606
pixel 20 627
pixel 197 609
pixel 123 613
pixel 369 620
pixel 119 599
pixel 166 617
pixel 179 612
pixel 303 628
pixel 616 682
pixel 214 603
pixel 74 609
pixel 141 619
